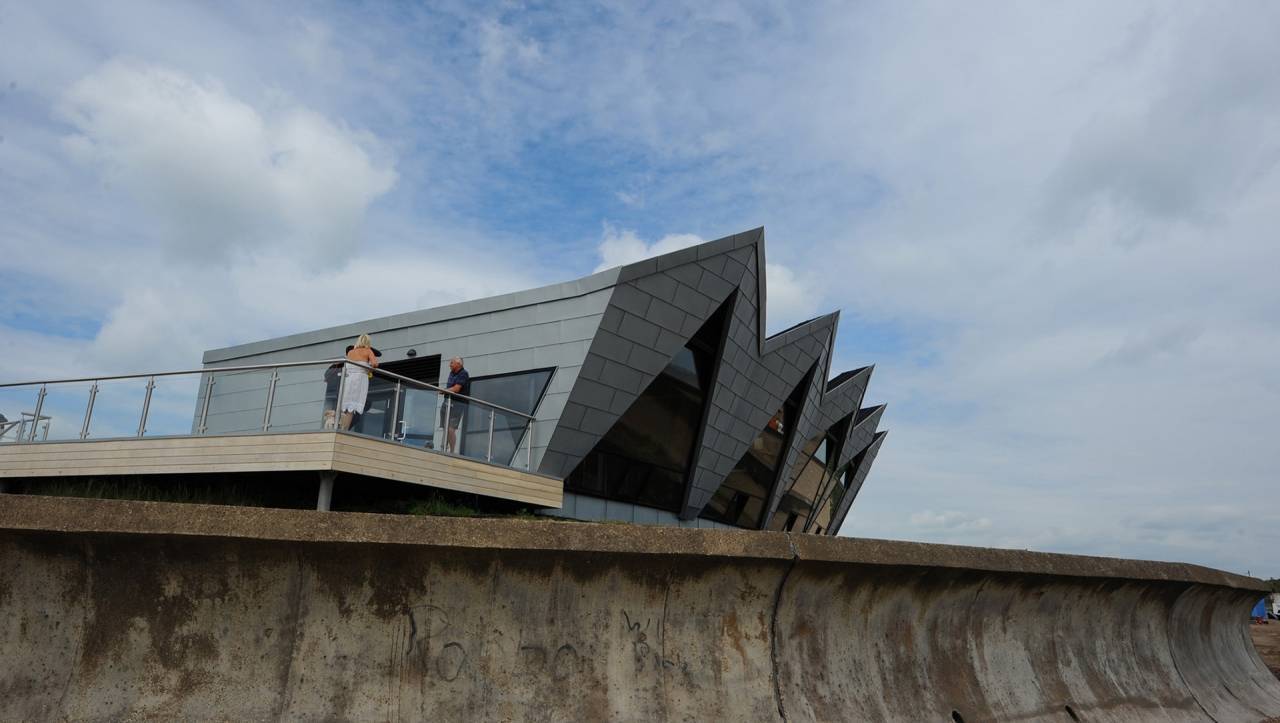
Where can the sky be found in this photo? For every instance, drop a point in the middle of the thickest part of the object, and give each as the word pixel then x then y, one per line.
pixel 1052 227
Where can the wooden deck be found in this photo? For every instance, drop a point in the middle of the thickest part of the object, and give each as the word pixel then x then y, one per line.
pixel 319 451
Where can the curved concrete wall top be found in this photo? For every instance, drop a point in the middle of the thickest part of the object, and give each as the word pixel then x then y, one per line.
pixel 128 610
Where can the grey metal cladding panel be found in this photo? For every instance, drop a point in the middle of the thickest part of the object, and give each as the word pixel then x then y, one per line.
pixel 667 316
pixel 619 511
pixel 734 270
pixel 688 275
pixel 713 265
pixel 590 508
pixel 621 402
pixel 591 393
pixel 554 463
pixel 659 286
pixel 645 515
pixel 629 298
pixel 691 326
pixel 620 376
pixel 676 259
pixel 611 346
pixel 647 360
pixel 562 355
pixel 573 443
pixel 691 301
pixel 749 238
pixel 596 422
pixel 671 339
pixel 572 415
pixel 575 294
pixel 633 271
pixel 611 319
pixel 639 331
pixel 593 366
pixel 715 287
pixel 717 247
pixel 582 327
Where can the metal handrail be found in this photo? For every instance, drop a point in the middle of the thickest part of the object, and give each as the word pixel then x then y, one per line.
pixel 210 375
pixel 262 367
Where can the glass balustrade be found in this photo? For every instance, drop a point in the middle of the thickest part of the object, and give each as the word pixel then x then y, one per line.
pixel 263 399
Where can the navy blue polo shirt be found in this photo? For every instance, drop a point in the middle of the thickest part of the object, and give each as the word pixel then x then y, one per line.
pixel 460 377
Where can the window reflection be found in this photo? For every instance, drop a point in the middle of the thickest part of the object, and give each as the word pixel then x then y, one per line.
pixel 743 496
pixel 796 504
pixel 520 391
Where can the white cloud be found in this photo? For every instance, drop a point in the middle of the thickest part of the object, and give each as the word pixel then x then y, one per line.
pixel 622 246
pixel 791 298
pixel 1050 228
pixel 222 175
pixel 628 198
pixel 949 521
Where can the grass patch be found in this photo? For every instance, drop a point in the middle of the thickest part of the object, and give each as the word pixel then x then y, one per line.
pixel 437 506
pixel 285 490
pixel 130 489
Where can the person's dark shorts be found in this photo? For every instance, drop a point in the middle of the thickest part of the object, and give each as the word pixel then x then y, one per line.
pixel 456 410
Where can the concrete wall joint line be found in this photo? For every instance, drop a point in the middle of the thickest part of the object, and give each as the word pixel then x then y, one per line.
pixel 773 629
pixel 86 549
pixel 1171 624
pixel 286 695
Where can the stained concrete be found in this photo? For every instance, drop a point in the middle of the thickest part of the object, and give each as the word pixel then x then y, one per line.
pixel 146 611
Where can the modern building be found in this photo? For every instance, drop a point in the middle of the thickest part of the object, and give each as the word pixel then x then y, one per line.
pixel 655 394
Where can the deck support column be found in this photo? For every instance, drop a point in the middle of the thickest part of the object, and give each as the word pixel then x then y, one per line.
pixel 326 490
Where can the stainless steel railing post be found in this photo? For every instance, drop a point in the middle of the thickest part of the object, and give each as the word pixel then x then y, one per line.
pixel 337 403
pixel 88 411
pixel 488 457
pixel 35 418
pixel 204 408
pixel 395 410
pixel 448 411
pixel 146 406
pixel 271 395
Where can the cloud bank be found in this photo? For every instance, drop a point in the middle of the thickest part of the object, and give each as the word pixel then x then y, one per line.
pixel 1050 228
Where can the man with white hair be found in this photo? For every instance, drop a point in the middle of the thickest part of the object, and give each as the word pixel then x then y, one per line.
pixel 459 382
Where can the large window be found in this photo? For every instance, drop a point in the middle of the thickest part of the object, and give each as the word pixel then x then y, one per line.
pixel 645 456
pixel 797 503
pixel 743 496
pixel 520 391
pixel 811 488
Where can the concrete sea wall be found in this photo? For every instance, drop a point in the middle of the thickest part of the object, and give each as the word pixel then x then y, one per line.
pixel 145 611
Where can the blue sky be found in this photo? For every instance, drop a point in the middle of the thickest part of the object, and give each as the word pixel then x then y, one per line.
pixel 1050 226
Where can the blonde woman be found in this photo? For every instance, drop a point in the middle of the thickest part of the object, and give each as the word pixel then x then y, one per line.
pixel 355 388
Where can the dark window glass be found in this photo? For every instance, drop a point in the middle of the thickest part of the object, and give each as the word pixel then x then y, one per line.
pixel 798 501
pixel 846 487
pixel 829 501
pixel 809 495
pixel 645 456
pixel 743 496
pixel 520 391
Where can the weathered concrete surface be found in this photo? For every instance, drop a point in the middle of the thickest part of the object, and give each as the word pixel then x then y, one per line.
pixel 146 611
